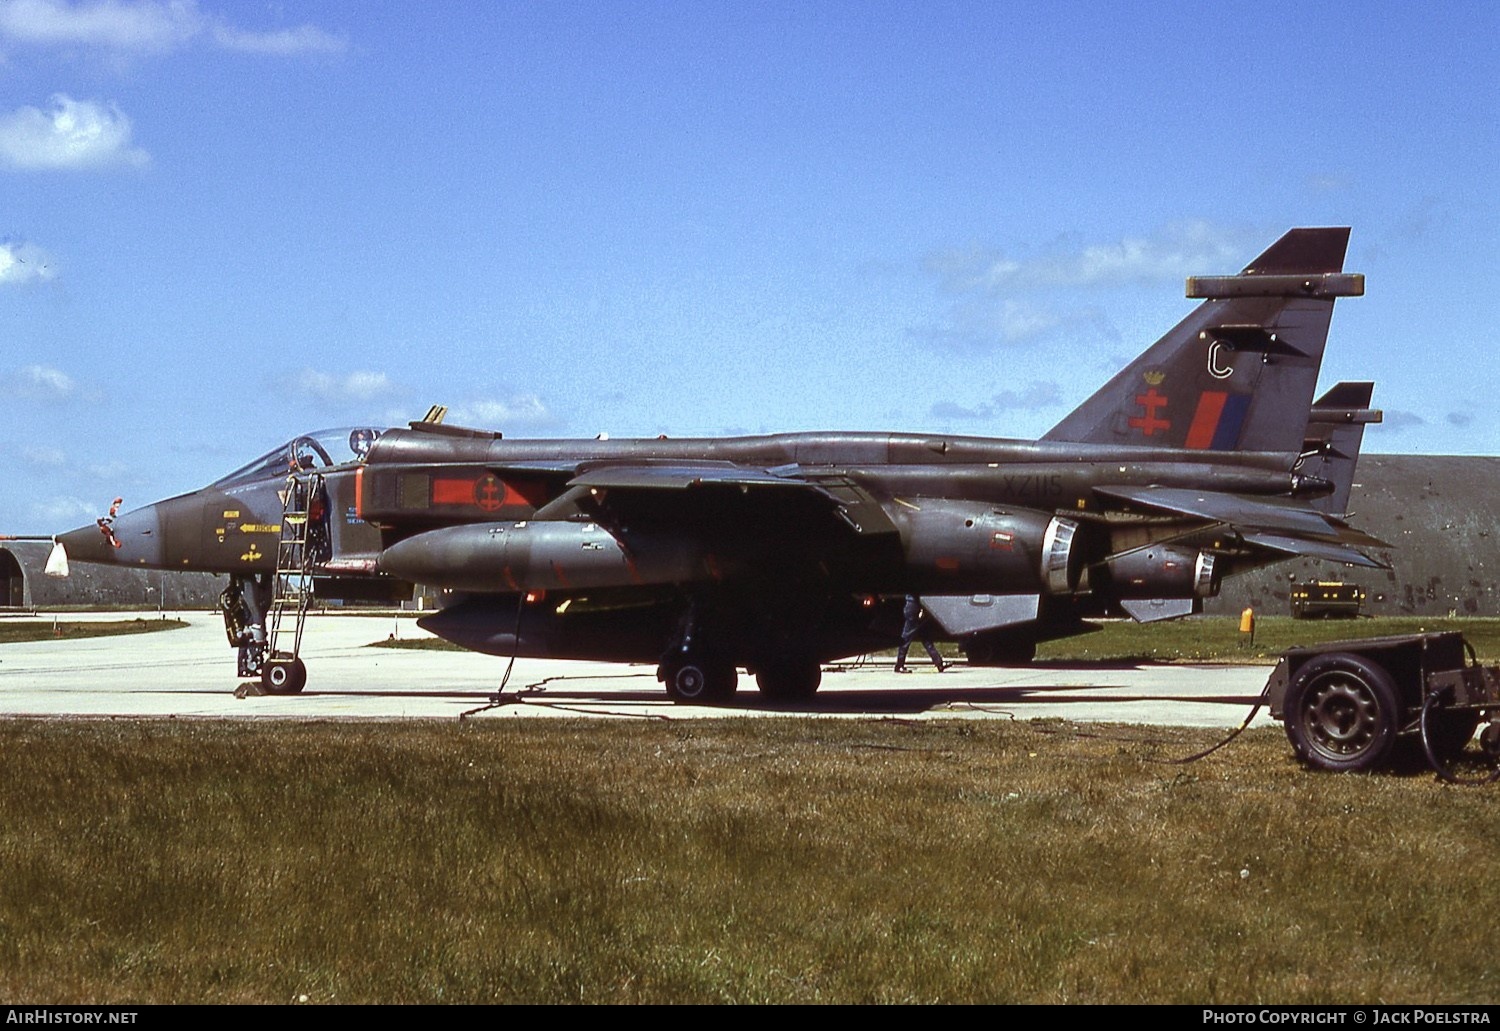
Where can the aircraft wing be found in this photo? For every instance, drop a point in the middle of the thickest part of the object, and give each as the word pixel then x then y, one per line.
pixel 683 475
pixel 1286 526
pixel 784 495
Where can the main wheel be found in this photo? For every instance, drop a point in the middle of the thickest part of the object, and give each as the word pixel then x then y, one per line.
pixel 789 681
pixel 284 677
pixel 1342 713
pixel 701 683
pixel 999 650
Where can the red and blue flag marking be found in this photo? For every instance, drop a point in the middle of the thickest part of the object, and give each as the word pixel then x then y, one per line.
pixel 1217 422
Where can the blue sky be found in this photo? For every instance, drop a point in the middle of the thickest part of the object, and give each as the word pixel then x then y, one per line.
pixel 224 224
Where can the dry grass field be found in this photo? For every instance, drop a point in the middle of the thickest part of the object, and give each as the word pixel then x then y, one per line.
pixel 741 861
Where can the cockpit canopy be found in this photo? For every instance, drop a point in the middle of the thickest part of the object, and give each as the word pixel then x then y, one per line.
pixel 311 451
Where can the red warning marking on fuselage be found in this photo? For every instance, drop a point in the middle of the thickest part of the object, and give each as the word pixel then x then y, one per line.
pixel 453 492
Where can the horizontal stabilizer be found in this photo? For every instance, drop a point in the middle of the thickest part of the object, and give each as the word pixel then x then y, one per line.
pixel 1331 551
pixel 1284 526
pixel 961 614
pixel 1241 512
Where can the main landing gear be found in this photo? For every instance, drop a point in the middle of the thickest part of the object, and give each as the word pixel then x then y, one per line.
pixel 789 680
pixel 695 673
pixel 708 681
pixel 700 681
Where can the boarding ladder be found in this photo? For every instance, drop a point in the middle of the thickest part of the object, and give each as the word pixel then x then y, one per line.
pixel 291 588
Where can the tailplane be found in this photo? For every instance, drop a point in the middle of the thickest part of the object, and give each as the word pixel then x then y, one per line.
pixel 1238 373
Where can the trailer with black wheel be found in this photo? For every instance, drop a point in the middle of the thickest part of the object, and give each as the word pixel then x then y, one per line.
pixel 1359 705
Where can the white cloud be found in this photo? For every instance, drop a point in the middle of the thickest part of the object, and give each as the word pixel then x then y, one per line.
pixel 39 383
pixel 45 457
pixel 522 411
pixel 24 263
pixel 359 385
pixel 145 26
pixel 149 27
pixel 984 323
pixel 70 134
pixel 304 39
pixel 1009 300
pixel 1399 422
pixel 59 511
pixel 1329 182
pixel 1172 253
pixel 1038 395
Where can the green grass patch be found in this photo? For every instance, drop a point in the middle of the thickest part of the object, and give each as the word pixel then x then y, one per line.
pixel 1217 639
pixel 417 644
pixel 37 630
pixel 737 860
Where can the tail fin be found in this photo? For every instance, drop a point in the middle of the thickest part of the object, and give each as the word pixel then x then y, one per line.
pixel 1335 430
pixel 1239 372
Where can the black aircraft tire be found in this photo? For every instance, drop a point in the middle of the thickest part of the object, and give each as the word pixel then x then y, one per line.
pixel 789 681
pixel 701 683
pixel 986 651
pixel 284 677
pixel 1342 713
pixel 723 682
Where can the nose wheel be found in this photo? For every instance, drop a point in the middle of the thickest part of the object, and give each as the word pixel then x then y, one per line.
pixel 283 676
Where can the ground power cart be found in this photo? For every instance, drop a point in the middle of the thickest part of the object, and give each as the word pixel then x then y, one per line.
pixel 1358 705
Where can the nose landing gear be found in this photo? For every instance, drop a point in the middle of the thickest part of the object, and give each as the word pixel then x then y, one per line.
pixel 264 614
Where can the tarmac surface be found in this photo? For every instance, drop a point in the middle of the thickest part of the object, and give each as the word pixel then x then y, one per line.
pixel 190 673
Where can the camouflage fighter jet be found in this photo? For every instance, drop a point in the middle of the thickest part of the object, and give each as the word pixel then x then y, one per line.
pixel 1205 457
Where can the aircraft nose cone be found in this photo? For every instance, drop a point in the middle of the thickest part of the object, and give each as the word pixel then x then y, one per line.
pixel 87 544
pixel 138 535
